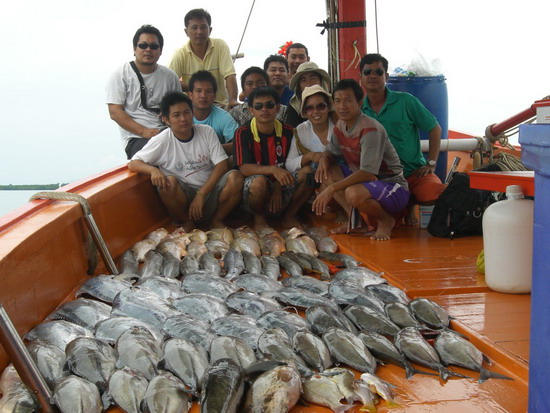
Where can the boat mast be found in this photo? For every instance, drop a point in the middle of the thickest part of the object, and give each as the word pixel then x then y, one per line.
pixel 347 37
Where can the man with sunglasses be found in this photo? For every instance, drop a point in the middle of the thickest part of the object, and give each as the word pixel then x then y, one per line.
pixel 403 115
pixel 260 150
pixel 135 90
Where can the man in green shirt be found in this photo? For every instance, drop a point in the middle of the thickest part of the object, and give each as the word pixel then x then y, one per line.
pixel 403 115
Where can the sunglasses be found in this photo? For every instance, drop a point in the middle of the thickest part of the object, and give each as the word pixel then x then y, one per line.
pixel 319 107
pixel 267 105
pixel 378 71
pixel 152 46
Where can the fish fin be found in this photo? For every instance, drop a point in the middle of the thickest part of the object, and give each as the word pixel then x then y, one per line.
pixel 455 374
pixel 487 360
pixel 343 408
pixel 464 336
pixel 427 373
pixel 487 374
pixel 392 404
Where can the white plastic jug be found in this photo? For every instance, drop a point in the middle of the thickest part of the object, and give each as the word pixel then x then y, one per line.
pixel 508 243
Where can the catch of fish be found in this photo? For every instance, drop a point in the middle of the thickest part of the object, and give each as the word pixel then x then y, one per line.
pixel 237 321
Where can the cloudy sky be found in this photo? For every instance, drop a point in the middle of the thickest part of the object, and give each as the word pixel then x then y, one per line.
pixel 58 55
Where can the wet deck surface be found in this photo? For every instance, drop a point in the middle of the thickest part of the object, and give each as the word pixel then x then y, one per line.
pixel 498 324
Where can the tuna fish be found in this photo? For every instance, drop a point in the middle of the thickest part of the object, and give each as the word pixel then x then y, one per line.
pixel 359 276
pixel 271 243
pixel 217 247
pixel 388 293
pixel 167 288
pixel 83 312
pixel 252 263
pixel 233 348
pixel 240 326
pixel 322 239
pixel 128 263
pixel 202 306
pixel 138 349
pixel 16 397
pixel 289 322
pixel 312 349
pixel 141 248
pixel 347 348
pixel 270 267
pixel 58 332
pixel 455 350
pixel 73 394
pixel 430 313
pixel 233 263
pixel 189 328
pixel 366 318
pixel 257 283
pixel 251 304
pixel 401 315
pixel 345 293
pixel 292 269
pixel 111 329
pixel 49 359
pixel 188 265
pixel 317 266
pixel 307 283
pixel 298 241
pixel 209 263
pixel 275 344
pixel 207 284
pixel 323 317
pixel 127 389
pixel 220 234
pixel 165 394
pixel 222 387
pixel 335 257
pixel 103 287
pixel 299 297
pixel 157 235
pixel 247 243
pixel 152 264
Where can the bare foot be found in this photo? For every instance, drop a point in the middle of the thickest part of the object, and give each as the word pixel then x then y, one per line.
pixel 411 218
pixel 188 226
pixel 260 223
pixel 291 222
pixel 341 217
pixel 217 224
pixel 343 229
pixel 383 231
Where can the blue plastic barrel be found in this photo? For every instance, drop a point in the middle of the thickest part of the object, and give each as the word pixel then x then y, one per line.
pixel 432 92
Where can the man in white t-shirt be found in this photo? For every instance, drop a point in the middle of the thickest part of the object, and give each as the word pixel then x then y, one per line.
pixel 189 166
pixel 135 90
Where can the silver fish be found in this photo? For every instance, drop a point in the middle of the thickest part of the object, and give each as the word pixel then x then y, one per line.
pixel 252 263
pixel 271 243
pixel 344 378
pixel 382 388
pixel 303 263
pixel 292 269
pixel 189 265
pixel 170 266
pixel 138 349
pixel 195 249
pixel 58 332
pixel 257 283
pixel 367 319
pixel 335 257
pixel 347 348
pixel 221 234
pixel 430 313
pixel 103 287
pixel 222 387
pixel 128 263
pixel 111 329
pixel 453 349
pixel 16 397
pixel 197 235
pixel 389 293
pixel 157 235
pixel 165 394
pixel 312 349
pixel 127 389
pixel 317 265
pixel 247 243
pixel 270 267
pixel 251 304
pixel 73 394
pixel 202 306
pixel 274 344
pixel 83 312
pixel 298 241
pixel 323 317
pixel 240 326
pixel 368 398
pixel 233 263
pixel 209 263
pixel 208 284
pixel 233 348
pixel 49 359
pixel 410 342
pixel 307 283
pixel 143 304
pixel 345 293
pixel 289 322
pixel 141 248
pixel 187 360
pixel 152 264
pixel 358 276
pixel 322 239
pixel 189 328
pixel 299 297
pixel 276 390
pixel 167 288
pixel 91 359
pixel 401 315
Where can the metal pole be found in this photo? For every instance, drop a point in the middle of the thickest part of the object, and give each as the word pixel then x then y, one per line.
pixel 100 243
pixel 23 362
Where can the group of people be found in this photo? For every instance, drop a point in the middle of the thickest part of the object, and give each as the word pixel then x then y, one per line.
pixel 292 139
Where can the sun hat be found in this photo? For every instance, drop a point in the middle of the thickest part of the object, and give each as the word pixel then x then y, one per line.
pixel 309 67
pixel 313 90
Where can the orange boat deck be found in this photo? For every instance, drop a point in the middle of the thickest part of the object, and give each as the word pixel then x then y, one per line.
pixel 42 262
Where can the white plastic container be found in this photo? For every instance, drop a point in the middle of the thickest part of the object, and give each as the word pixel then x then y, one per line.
pixel 508 243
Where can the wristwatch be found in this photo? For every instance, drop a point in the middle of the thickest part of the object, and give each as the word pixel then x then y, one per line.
pixel 431 162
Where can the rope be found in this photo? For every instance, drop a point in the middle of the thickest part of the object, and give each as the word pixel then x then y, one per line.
pixel 90 247
pixel 376 24
pixel 356 57
pixel 244 31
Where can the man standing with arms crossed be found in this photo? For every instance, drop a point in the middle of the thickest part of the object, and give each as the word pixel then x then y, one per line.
pixel 135 90
pixel 403 115
pixel 205 53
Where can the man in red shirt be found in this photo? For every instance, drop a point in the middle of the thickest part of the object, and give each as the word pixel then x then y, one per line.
pixel 260 150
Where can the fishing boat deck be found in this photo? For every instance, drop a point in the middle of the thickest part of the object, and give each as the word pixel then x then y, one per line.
pixel 498 324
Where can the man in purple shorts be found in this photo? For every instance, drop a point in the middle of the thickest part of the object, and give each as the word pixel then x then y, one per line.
pixel 360 168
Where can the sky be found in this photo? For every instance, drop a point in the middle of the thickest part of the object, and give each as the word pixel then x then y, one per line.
pixel 58 55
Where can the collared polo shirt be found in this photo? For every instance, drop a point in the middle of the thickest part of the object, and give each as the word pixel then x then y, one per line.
pixel 217 61
pixel 403 115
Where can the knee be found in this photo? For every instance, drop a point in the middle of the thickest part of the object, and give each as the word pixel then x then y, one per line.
pixel 354 197
pixel 171 190
pixel 235 181
pixel 259 185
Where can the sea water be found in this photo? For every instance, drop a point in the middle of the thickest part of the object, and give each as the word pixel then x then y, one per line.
pixel 10 200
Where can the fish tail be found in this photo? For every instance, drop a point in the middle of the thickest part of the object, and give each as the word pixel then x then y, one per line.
pixel 409 370
pixel 427 373
pixel 487 374
pixel 345 407
pixel 371 408
pixel 391 404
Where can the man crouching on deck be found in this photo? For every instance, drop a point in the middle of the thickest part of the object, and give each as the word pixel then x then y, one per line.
pixel 260 150
pixel 189 167
pixel 369 176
